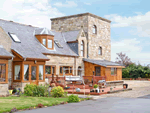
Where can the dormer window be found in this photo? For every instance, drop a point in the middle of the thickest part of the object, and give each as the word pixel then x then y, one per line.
pixel 50 43
pixel 44 41
pixel 14 37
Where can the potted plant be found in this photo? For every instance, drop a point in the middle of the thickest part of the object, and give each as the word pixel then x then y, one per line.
pixel 96 88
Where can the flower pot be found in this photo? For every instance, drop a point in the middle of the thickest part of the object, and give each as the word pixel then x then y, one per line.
pixel 125 86
pixel 10 92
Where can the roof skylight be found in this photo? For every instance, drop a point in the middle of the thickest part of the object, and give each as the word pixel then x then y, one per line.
pixel 14 37
pixel 58 44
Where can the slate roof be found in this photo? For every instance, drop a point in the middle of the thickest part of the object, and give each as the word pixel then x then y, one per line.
pixel 45 31
pixel 74 47
pixel 30 47
pixel 104 63
pixel 3 52
pixel 71 35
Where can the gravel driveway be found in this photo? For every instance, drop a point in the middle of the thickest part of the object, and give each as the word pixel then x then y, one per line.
pixel 139 88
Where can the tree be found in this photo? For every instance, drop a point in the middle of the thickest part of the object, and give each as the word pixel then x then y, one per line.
pixel 123 59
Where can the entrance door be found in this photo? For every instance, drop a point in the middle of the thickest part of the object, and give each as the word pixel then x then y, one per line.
pixel 97 71
pixel 34 75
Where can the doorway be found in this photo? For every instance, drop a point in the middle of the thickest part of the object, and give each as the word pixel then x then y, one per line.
pixel 97 71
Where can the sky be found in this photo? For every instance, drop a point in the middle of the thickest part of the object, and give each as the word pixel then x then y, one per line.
pixel 130 26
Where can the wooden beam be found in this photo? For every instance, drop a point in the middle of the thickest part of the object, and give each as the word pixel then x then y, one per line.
pixel 116 66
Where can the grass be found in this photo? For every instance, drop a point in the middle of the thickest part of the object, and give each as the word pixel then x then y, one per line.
pixel 7 103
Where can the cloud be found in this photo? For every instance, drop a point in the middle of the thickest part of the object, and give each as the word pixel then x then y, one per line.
pixel 87 3
pixel 67 4
pixel 132 48
pixel 30 12
pixel 140 22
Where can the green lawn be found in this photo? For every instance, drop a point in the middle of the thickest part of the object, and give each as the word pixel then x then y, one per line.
pixel 7 103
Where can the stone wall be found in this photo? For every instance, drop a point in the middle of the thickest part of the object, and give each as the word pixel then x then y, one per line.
pixel 60 61
pixel 68 24
pixel 4 89
pixel 101 38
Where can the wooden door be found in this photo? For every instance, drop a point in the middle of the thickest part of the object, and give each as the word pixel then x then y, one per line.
pixel 34 77
pixel 97 71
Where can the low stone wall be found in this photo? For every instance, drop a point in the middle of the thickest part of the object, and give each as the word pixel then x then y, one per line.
pixel 114 83
pixel 4 89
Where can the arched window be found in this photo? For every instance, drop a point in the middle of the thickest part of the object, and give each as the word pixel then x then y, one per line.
pixel 100 50
pixel 79 71
pixel 82 48
pixel 94 29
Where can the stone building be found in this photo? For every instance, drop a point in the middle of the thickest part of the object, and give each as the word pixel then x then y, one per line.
pixel 77 45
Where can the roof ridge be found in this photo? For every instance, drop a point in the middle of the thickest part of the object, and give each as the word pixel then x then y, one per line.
pixel 19 23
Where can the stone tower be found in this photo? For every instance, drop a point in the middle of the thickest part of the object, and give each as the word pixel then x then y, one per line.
pixel 95 40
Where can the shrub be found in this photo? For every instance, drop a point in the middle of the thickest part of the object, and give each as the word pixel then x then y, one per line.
pixel 29 89
pixel 73 98
pixel 34 90
pixel 14 91
pixel 57 92
pixel 95 86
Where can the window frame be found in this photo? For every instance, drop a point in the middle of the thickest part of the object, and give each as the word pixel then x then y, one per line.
pixel 94 30
pixel 47 38
pixel 6 71
pixel 115 71
pixel 48 43
pixel 45 41
pixel 69 72
pixel 51 70
pixel 82 45
pixel 100 50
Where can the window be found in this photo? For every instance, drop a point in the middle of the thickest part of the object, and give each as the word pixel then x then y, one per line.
pixel 61 70
pixel 14 37
pixel 33 73
pixel 26 72
pixel 49 43
pixel 17 72
pixel 2 72
pixel 94 29
pixel 113 71
pixel 58 44
pixel 50 70
pixel 44 41
pixel 79 71
pixel 47 69
pixel 53 70
pixel 70 69
pixel 100 50
pixel 66 69
pixel 82 48
pixel 41 72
